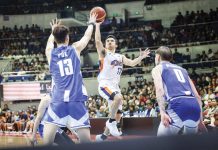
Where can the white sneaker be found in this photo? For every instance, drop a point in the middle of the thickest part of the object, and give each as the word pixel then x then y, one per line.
pixel 98 138
pixel 113 128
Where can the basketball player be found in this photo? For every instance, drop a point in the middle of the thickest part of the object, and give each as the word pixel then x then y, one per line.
pixel 61 137
pixel 111 66
pixel 173 86
pixel 67 107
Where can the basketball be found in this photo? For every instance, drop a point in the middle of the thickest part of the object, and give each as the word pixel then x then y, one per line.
pixel 100 12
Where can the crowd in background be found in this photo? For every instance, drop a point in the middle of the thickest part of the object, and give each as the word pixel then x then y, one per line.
pixel 185 29
pixel 40 68
pixel 11 7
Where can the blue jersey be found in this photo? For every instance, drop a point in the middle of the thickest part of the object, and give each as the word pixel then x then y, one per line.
pixel 175 81
pixel 66 75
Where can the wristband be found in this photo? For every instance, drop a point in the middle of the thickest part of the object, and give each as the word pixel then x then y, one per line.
pixel 91 23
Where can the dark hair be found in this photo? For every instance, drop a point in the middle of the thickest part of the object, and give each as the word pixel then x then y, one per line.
pixel 165 53
pixel 113 37
pixel 60 32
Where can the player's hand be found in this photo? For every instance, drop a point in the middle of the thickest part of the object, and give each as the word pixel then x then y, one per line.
pixel 144 53
pixel 92 18
pixel 98 23
pixel 165 119
pixel 55 22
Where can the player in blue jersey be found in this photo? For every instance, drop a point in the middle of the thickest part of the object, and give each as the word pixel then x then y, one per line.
pixel 67 107
pixel 61 137
pixel 174 87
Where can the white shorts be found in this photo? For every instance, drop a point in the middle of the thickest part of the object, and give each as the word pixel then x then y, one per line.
pixel 108 91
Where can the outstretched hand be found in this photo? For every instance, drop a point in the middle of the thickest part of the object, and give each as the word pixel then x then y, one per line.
pixel 144 53
pixel 54 23
pixel 92 18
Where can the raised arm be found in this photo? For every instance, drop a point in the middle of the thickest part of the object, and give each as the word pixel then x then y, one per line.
pixel 98 42
pixel 82 43
pixel 41 110
pixel 134 62
pixel 50 42
pixel 158 83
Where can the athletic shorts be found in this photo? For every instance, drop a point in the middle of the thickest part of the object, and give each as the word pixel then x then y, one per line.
pixel 184 113
pixel 108 92
pixel 73 115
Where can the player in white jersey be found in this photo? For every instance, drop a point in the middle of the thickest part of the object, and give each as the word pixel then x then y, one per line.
pixel 174 87
pixel 111 66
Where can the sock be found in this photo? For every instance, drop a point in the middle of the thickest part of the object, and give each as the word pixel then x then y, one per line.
pixel 111 120
pixel 119 125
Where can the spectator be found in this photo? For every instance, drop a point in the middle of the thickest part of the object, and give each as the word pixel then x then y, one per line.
pixel 5 108
pixel 150 111
pixel 177 56
pixel 187 55
pixel 210 54
pixel 204 56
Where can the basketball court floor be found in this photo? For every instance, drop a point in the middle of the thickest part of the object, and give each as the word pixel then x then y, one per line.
pixel 13 139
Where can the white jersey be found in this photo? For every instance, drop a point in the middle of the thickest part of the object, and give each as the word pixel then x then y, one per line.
pixel 111 67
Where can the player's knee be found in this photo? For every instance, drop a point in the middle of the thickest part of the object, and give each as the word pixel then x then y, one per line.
pixel 83 135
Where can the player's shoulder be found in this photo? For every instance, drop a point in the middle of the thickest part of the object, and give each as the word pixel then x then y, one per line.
pixel 179 67
pixel 157 69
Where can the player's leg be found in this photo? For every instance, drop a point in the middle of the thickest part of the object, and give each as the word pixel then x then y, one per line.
pixel 119 119
pixel 106 133
pixel 49 133
pixel 78 120
pixel 103 136
pixel 167 131
pixel 56 117
pixel 105 93
pixel 83 134
pixel 111 124
pixel 114 98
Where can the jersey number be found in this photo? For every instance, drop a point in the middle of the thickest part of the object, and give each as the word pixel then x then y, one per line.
pixel 119 71
pixel 179 75
pixel 65 67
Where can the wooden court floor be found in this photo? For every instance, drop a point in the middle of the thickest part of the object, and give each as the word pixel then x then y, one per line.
pixel 8 140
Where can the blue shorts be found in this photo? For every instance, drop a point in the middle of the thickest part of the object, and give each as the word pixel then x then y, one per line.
pixel 73 115
pixel 185 116
pixel 186 108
